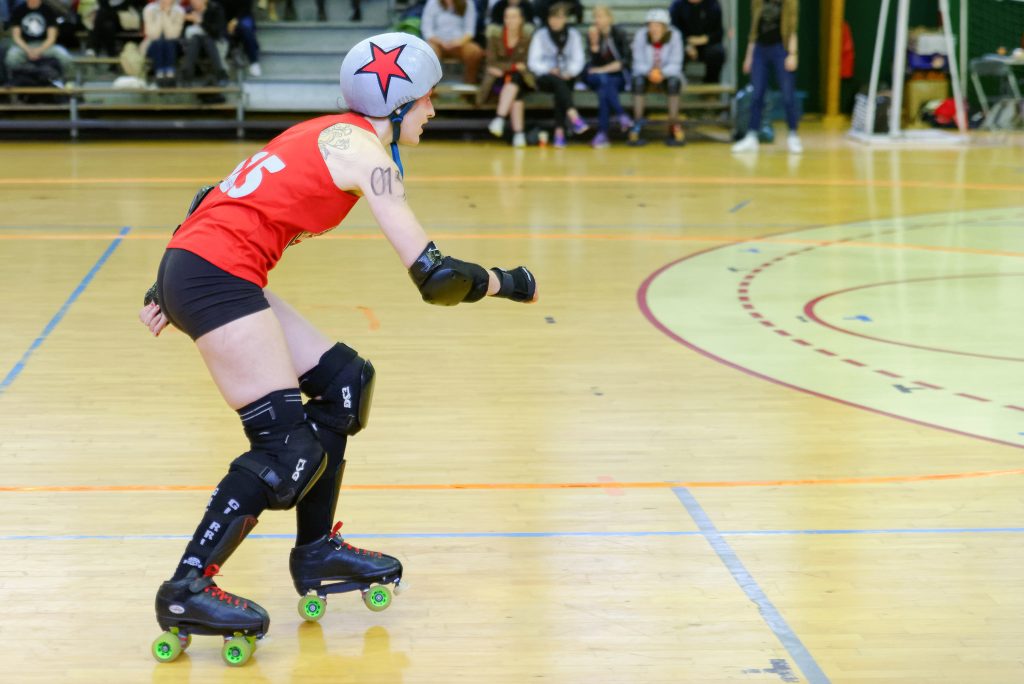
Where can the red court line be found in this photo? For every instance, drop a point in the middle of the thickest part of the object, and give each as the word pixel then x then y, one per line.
pixel 511 486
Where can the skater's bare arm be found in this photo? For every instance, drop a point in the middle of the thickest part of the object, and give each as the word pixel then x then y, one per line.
pixel 359 164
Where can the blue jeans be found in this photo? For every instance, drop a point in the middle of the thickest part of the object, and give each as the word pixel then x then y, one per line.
pixel 163 53
pixel 246 31
pixel 607 87
pixel 767 57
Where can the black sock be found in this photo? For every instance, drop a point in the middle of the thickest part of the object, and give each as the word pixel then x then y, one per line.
pixel 314 516
pixel 239 493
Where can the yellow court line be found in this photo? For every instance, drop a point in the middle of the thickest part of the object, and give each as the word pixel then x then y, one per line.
pixel 610 484
pixel 620 180
pixel 594 237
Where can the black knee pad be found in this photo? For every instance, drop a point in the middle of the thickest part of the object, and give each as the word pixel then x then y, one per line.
pixel 287 463
pixel 342 389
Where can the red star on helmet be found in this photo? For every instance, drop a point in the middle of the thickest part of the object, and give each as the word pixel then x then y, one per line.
pixel 385 66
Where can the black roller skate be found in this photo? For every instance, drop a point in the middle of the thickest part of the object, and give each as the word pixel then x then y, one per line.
pixel 330 565
pixel 195 605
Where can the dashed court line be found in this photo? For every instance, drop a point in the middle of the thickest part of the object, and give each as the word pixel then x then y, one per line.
pixel 747 304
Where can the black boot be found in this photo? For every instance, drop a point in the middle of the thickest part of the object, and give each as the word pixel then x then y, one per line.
pixel 196 605
pixel 330 565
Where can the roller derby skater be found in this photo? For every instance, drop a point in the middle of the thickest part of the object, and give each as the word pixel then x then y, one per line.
pixel 263 355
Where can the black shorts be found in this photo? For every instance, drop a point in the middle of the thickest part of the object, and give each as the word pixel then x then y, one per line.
pixel 198 297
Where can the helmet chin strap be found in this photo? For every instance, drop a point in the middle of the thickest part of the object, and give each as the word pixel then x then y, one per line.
pixel 396 132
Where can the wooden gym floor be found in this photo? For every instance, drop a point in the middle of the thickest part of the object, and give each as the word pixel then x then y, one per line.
pixel 764 425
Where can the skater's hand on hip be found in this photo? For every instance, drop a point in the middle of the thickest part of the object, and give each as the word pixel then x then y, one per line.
pixel 153 318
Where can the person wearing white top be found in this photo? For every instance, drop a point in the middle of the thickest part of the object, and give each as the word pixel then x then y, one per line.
pixel 449 26
pixel 556 58
pixel 162 24
pixel 658 63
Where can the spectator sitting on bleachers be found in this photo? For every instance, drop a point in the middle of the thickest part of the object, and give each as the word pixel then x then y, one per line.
pixel 574 10
pixel 204 27
pixel 658 62
pixel 162 24
pixel 34 34
pixel 242 26
pixel 700 23
pixel 5 37
pixel 103 25
pixel 110 18
pixel 449 26
pixel 607 65
pixel 507 49
pixel 556 58
pixel 497 11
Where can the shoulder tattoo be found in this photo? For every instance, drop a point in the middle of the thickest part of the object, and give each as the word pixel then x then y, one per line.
pixel 338 136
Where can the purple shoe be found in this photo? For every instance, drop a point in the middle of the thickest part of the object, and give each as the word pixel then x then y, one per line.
pixel 600 141
pixel 559 140
pixel 579 127
pixel 625 123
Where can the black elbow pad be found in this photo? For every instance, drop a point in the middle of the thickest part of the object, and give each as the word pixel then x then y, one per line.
pixel 445 281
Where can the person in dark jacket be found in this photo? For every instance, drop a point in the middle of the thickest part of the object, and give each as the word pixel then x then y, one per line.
pixel 573 8
pixel 700 22
pixel 242 26
pixel 608 61
pixel 204 26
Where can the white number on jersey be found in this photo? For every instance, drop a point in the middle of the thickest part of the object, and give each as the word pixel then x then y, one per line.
pixel 253 168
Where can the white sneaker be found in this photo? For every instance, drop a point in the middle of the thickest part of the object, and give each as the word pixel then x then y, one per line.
pixel 519 140
pixel 497 127
pixel 794 144
pixel 747 143
pixel 255 70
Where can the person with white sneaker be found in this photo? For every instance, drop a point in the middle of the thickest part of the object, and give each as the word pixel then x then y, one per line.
pixel 772 45
pixel 506 73
pixel 242 25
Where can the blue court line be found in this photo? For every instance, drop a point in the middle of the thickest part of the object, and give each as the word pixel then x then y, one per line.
pixel 20 365
pixel 783 632
pixel 528 535
pixel 739 206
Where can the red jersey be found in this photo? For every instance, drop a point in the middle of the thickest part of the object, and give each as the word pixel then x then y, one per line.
pixel 281 195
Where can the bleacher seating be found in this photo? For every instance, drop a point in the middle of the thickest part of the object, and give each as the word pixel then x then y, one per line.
pixel 299 61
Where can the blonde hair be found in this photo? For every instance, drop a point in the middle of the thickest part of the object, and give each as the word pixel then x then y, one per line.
pixel 606 10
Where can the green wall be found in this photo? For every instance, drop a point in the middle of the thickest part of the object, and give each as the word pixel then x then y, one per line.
pixel 862 16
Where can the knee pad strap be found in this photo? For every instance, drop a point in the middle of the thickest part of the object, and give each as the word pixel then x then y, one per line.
pixel 287 467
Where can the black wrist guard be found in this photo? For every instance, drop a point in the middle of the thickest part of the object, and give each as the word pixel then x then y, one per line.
pixel 518 284
pixel 445 281
pixel 150 296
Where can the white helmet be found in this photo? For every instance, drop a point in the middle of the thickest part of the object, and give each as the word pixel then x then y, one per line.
pixel 386 71
pixel 659 15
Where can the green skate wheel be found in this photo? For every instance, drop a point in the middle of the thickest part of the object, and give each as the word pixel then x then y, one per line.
pixel 377 598
pixel 237 651
pixel 166 647
pixel 312 608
